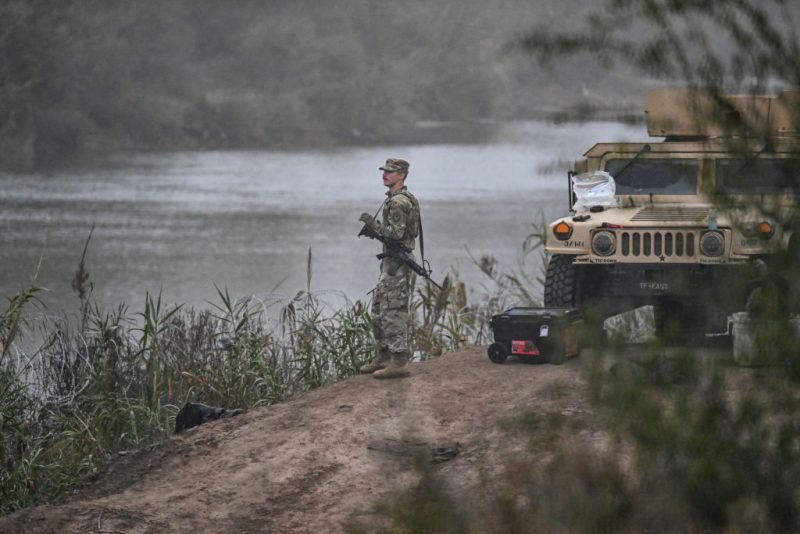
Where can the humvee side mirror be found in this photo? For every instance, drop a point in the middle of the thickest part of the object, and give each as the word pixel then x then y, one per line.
pixel 572 197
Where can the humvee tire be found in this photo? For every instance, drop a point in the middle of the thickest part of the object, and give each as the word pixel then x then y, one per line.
pixel 561 282
pixel 563 289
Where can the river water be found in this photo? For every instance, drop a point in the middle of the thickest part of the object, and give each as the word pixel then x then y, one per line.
pixel 180 222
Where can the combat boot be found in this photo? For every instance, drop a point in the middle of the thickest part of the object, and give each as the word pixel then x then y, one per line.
pixel 397 367
pixel 378 362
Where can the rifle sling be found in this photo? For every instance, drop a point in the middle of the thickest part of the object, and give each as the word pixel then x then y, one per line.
pixel 419 221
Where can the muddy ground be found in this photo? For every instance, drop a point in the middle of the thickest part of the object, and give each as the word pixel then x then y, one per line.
pixel 320 461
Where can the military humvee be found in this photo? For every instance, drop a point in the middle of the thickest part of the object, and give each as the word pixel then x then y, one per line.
pixel 698 214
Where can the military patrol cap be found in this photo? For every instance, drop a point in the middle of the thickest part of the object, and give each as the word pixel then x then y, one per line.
pixel 395 165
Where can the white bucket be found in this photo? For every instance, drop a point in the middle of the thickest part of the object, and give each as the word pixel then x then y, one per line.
pixel 744 343
pixel 745 350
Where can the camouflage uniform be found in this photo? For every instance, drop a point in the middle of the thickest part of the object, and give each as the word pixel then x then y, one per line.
pixel 390 300
pixel 391 297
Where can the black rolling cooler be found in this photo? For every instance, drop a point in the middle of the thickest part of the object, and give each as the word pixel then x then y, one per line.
pixel 546 334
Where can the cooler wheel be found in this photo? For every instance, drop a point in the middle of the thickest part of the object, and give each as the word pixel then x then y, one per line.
pixel 498 352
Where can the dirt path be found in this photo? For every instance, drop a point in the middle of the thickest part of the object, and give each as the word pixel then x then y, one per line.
pixel 317 461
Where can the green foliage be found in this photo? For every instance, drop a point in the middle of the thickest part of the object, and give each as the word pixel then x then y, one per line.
pixel 717 459
pixel 11 318
pixel 427 508
pixel 114 380
pixel 739 45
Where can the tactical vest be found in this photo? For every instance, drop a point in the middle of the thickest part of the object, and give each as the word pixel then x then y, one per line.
pixel 412 216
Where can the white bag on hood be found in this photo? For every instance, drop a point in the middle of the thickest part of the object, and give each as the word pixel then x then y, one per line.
pixel 594 188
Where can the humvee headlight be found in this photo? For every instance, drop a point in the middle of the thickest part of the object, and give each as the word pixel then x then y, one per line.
pixel 712 244
pixel 765 230
pixel 562 231
pixel 604 243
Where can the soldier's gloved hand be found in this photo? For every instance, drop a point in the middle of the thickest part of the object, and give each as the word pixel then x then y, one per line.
pixel 367 219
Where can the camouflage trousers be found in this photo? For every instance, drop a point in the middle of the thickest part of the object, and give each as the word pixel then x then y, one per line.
pixel 390 309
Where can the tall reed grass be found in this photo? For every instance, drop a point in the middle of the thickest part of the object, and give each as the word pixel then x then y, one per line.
pixel 75 389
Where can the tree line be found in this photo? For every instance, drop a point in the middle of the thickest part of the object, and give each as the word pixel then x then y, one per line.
pixel 92 75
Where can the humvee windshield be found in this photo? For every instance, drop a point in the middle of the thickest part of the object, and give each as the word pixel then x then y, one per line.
pixel 654 176
pixel 758 176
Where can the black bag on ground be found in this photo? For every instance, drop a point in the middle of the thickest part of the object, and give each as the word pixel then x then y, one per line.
pixel 194 414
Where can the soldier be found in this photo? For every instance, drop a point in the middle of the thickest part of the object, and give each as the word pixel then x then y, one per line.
pixel 400 222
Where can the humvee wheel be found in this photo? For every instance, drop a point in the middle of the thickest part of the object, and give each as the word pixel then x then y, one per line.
pixel 563 289
pixel 561 282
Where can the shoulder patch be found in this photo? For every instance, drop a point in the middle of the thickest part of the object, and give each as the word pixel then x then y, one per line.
pixel 396 217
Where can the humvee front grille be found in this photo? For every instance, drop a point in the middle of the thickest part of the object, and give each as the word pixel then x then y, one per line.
pixel 671 213
pixel 657 244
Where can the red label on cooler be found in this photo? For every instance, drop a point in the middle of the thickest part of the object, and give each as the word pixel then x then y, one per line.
pixel 524 347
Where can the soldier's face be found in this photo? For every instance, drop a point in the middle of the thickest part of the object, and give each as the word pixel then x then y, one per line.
pixel 391 178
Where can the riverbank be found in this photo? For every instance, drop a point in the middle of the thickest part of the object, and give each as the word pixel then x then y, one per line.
pixel 464 444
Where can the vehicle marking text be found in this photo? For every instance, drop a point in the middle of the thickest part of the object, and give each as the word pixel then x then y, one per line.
pixel 655 286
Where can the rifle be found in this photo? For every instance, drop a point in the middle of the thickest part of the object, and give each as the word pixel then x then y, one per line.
pixel 395 250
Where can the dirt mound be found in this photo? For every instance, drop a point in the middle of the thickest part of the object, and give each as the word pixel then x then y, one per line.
pixel 322 459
